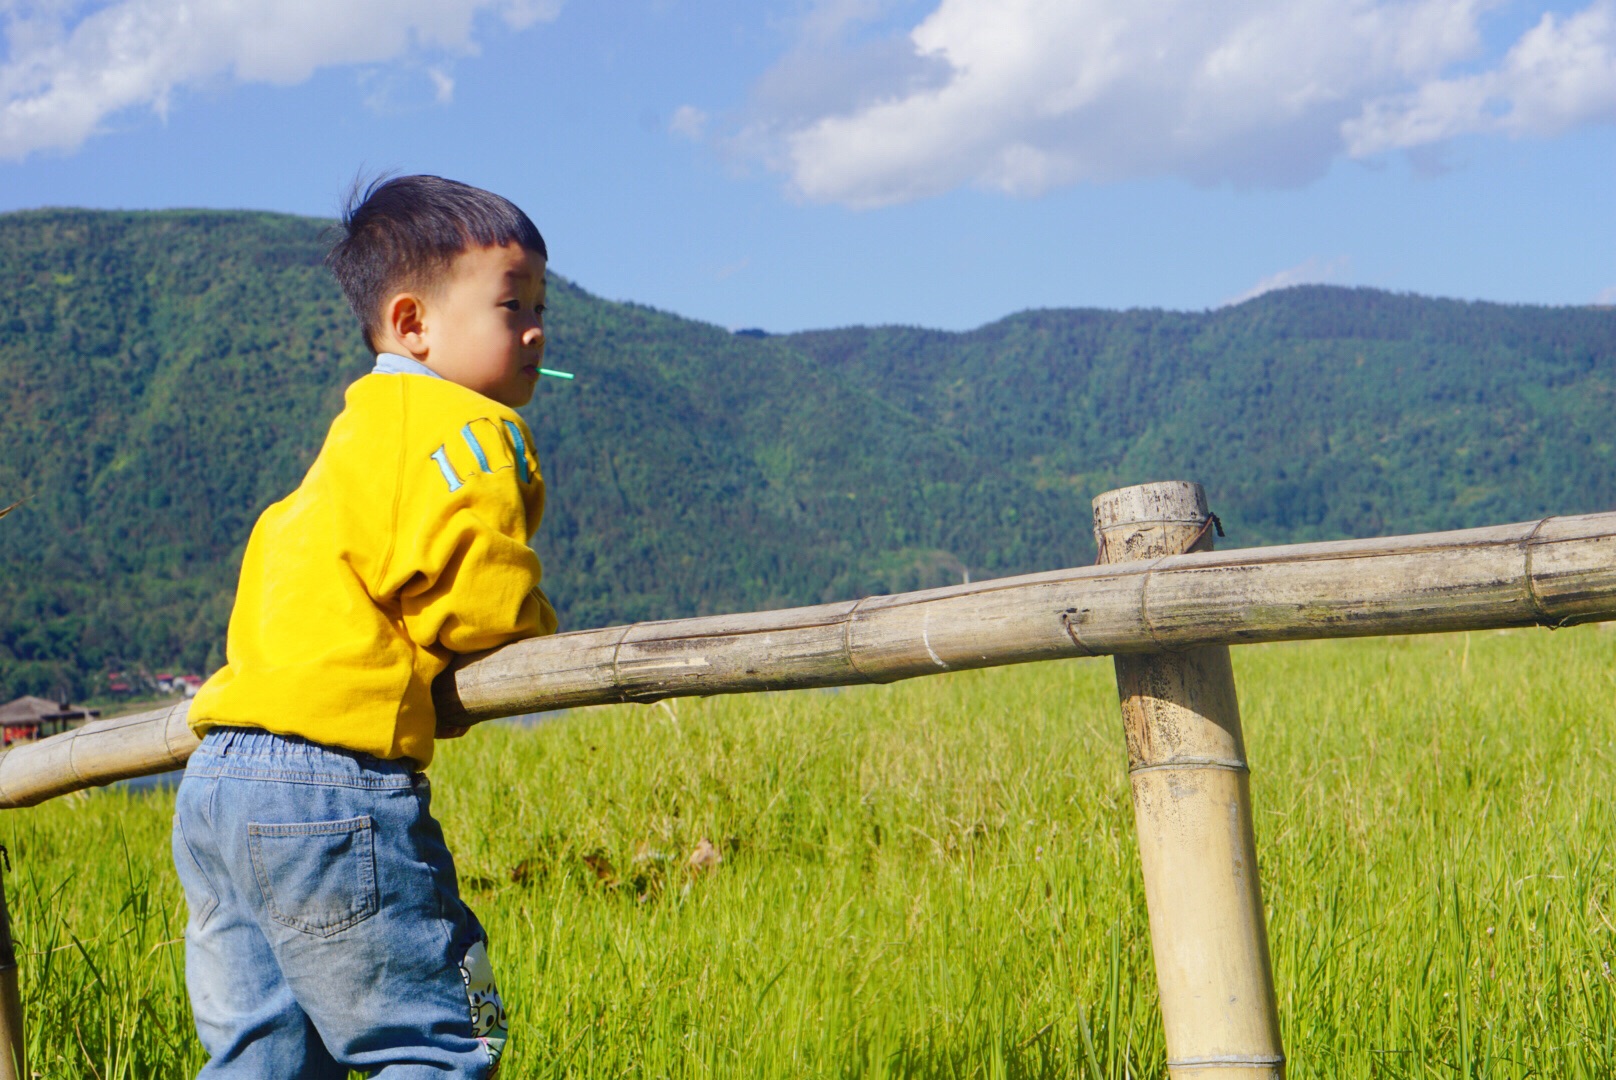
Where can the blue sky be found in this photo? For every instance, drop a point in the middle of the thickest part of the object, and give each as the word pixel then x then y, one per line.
pixel 817 163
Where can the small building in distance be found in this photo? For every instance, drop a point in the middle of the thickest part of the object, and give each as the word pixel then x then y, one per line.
pixel 187 685
pixel 35 717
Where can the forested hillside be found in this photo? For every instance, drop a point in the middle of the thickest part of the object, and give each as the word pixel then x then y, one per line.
pixel 164 376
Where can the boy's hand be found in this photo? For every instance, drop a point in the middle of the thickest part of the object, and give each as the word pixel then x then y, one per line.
pixel 446 732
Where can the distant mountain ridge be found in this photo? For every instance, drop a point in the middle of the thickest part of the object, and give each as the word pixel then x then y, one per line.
pixel 165 375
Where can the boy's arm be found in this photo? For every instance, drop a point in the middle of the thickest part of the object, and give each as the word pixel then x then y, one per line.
pixel 468 579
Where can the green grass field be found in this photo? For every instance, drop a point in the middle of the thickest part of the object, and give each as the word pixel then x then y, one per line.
pixel 938 878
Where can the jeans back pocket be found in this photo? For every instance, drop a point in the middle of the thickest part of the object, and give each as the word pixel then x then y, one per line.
pixel 316 876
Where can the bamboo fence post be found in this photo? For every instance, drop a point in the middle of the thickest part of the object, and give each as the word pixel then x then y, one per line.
pixel 13 1040
pixel 1192 812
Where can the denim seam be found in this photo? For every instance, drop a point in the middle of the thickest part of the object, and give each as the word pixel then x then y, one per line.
pixel 312 828
pixel 213 833
pixel 371 902
pixel 212 904
pixel 395 782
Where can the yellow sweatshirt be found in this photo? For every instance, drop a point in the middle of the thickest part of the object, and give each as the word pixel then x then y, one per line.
pixel 406 543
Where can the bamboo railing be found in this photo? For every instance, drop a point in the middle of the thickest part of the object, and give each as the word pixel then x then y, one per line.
pixel 1553 572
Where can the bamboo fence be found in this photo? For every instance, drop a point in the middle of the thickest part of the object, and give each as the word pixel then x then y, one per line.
pixel 1554 572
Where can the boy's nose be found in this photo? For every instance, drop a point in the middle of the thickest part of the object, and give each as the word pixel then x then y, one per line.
pixel 533 338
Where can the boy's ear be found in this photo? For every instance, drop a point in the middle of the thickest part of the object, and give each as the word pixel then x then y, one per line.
pixel 404 318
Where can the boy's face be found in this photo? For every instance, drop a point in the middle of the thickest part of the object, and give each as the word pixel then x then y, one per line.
pixel 483 323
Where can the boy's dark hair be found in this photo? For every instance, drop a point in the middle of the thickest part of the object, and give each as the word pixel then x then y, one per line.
pixel 404 231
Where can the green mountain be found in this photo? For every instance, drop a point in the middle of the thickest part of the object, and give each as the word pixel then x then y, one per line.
pixel 164 376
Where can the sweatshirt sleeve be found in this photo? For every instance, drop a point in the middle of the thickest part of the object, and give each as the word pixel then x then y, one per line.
pixel 467 580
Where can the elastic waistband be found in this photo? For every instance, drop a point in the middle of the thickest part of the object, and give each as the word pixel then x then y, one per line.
pixel 255 754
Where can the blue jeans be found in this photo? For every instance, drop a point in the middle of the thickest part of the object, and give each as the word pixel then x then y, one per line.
pixel 326 931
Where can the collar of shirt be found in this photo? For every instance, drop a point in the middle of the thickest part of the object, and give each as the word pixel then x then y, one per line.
pixel 393 364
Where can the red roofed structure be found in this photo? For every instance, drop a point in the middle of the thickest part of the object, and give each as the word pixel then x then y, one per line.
pixel 35 717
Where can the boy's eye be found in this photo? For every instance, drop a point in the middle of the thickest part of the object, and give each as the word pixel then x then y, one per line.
pixel 511 305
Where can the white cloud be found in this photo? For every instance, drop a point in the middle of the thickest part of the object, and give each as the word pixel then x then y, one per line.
pixel 404 86
pixel 846 54
pixel 1024 95
pixel 1607 296
pixel 1312 271
pixel 442 85
pixel 521 14
pixel 689 122
pixel 729 270
pixel 70 66
pixel 1560 74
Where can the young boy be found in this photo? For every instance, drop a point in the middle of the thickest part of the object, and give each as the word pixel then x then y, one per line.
pixel 326 930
